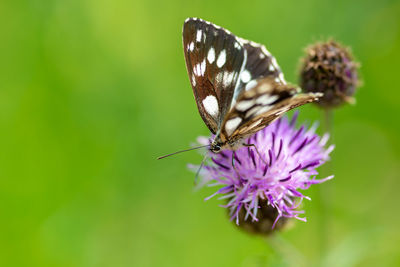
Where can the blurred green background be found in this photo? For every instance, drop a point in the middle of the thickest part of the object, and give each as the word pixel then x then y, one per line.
pixel 91 92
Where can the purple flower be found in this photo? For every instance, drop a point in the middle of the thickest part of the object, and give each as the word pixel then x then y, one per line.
pixel 285 163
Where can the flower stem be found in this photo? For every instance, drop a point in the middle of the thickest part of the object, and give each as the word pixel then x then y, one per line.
pixel 288 253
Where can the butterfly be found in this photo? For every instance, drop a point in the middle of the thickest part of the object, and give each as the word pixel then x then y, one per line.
pixel 237 84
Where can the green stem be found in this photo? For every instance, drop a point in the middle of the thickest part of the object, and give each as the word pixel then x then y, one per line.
pixel 287 252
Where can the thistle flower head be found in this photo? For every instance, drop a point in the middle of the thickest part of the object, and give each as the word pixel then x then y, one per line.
pixel 329 67
pixel 269 176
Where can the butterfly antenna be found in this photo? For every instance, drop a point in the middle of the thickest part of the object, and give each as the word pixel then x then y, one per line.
pixel 182 151
pixel 198 171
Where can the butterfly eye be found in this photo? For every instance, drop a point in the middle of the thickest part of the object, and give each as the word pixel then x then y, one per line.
pixel 215 147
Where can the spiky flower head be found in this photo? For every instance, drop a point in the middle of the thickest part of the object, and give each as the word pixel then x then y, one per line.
pixel 329 67
pixel 264 184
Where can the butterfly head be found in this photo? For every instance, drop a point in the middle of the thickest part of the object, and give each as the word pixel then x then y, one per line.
pixel 216 146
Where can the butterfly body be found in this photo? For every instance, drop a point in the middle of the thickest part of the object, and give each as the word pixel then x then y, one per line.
pixel 238 86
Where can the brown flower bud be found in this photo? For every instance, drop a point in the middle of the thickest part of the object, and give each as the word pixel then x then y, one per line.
pixel 266 216
pixel 329 67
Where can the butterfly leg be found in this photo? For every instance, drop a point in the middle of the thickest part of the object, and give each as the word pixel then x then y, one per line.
pixel 258 152
pixel 233 164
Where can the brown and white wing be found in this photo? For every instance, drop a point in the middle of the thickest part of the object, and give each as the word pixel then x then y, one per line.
pixel 221 66
pixel 214 59
pixel 259 106
pixel 260 63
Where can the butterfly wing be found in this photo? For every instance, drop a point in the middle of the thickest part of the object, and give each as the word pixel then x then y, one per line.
pixel 257 107
pixel 259 64
pixel 214 61
pixel 224 69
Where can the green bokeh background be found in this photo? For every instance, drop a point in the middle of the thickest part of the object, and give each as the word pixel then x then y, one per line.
pixel 91 92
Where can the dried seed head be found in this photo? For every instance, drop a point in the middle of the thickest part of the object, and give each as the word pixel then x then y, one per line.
pixel 329 67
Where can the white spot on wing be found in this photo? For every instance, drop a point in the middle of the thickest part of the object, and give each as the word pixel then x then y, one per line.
pixel 252 111
pixel 191 47
pixel 221 59
pixel 211 55
pixel 271 68
pixel 274 63
pixel 258 110
pixel 232 124
pixel 244 41
pixel 203 67
pixel 200 68
pixel 228 77
pixel 193 80
pixel 281 77
pixel 198 36
pixel 195 70
pixel 262 110
pixel 219 76
pixel 254 44
pixel 265 51
pixel 244 105
pixel 245 76
pixel 251 84
pixel 237 45
pixel 266 99
pixel 210 104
